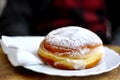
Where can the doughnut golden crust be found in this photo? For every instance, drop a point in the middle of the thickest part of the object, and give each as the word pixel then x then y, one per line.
pixel 64 49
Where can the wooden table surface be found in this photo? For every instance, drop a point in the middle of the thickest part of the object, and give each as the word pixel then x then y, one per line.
pixel 8 72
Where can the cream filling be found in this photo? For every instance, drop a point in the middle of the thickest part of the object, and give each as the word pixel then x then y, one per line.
pixel 80 64
pixel 76 63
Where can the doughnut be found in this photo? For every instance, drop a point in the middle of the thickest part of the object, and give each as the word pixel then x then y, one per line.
pixel 71 48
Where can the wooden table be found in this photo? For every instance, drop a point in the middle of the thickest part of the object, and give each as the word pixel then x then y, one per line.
pixel 8 72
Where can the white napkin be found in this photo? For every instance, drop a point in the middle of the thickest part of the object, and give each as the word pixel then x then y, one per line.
pixel 21 50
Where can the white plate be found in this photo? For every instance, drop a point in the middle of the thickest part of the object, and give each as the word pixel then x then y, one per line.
pixel 110 61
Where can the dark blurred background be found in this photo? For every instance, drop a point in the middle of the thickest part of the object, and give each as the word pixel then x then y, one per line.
pixel 113 14
pixel 112 8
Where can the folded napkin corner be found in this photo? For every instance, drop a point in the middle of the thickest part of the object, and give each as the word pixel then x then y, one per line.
pixel 21 50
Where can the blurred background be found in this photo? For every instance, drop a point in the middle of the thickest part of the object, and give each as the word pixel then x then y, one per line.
pixel 21 17
pixel 113 15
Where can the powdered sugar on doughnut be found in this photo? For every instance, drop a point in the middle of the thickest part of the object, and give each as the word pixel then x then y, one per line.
pixel 72 36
